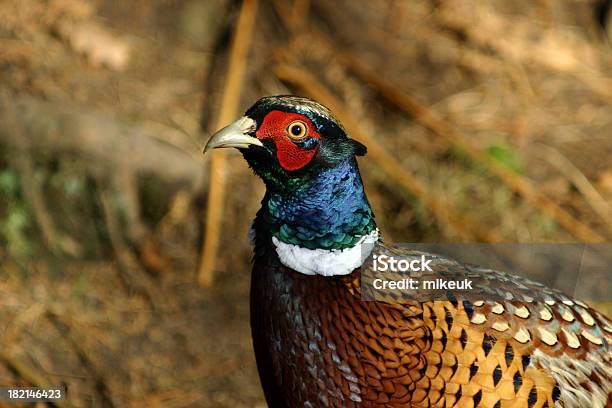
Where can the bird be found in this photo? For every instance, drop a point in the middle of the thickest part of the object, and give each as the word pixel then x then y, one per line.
pixel 319 338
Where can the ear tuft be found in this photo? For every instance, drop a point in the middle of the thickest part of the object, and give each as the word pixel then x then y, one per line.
pixel 358 148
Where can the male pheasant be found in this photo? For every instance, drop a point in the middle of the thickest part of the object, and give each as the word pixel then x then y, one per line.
pixel 318 343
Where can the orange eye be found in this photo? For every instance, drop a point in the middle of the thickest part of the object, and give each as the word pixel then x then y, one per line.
pixel 297 130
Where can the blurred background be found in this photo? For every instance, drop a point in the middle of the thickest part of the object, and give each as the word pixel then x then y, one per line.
pixel 486 121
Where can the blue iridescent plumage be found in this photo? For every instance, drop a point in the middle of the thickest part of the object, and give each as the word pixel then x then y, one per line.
pixel 304 218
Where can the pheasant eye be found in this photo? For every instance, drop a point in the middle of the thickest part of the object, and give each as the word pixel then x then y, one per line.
pixel 297 130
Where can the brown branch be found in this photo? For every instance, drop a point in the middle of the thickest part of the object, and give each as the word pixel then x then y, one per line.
pixel 33 194
pixel 130 272
pixel 218 163
pixel 432 121
pixel 299 15
pixel 442 212
pixel 125 181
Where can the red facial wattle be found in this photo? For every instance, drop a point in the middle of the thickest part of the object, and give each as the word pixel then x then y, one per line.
pixel 291 156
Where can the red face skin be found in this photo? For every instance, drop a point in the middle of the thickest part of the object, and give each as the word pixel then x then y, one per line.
pixel 275 127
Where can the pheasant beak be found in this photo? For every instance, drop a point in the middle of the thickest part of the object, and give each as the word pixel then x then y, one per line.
pixel 234 135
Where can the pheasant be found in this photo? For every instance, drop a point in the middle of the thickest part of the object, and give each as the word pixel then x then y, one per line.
pixel 318 341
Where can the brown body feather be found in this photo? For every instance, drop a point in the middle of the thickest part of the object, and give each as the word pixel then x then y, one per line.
pixel 319 344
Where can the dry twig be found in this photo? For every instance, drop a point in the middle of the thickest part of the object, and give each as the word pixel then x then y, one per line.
pixel 218 163
pixel 130 272
pixel 34 196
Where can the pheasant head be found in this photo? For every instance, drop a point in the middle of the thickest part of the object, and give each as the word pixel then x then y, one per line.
pixel 315 211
